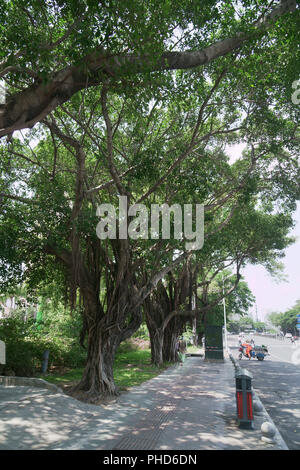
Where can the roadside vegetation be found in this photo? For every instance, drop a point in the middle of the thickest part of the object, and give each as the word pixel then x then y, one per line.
pixel 131 368
pixel 246 323
pixel 27 337
pixel 287 320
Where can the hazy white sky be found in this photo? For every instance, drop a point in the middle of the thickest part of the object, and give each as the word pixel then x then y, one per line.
pixel 270 294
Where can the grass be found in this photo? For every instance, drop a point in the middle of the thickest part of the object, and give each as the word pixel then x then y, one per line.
pixel 134 367
pixel 66 378
pixel 131 368
pixel 192 349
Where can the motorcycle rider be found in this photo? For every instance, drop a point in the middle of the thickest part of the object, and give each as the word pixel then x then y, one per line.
pixel 248 348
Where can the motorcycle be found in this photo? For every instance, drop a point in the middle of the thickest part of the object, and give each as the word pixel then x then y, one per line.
pixel 242 352
pixel 261 352
pixel 258 352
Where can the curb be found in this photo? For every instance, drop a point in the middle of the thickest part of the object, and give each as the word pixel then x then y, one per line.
pixel 277 439
pixel 7 381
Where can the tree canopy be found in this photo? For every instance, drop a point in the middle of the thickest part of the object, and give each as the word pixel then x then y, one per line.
pixel 142 100
pixel 51 50
pixel 286 320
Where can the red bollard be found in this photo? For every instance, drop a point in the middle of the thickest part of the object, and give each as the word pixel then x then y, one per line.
pixel 244 401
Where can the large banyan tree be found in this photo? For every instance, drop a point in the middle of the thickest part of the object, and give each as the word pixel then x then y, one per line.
pixel 137 101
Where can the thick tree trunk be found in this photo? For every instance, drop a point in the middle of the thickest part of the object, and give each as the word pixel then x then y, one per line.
pixel 105 332
pixel 97 382
pixel 169 347
pixel 156 342
pixel 164 328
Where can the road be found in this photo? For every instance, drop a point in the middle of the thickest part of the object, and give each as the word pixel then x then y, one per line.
pixel 277 382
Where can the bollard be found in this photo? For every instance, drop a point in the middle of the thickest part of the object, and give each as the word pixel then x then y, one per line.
pixel 257 407
pixel 244 400
pixel 268 432
pixel 2 353
pixel 45 361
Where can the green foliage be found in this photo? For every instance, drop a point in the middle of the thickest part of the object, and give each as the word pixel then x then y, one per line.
pixel 23 355
pixel 246 323
pixel 286 320
pixel 260 326
pixel 27 340
pixel 142 332
pixel 233 326
pixel 275 318
pixel 240 325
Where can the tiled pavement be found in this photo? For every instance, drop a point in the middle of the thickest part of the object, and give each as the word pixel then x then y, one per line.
pixel 188 407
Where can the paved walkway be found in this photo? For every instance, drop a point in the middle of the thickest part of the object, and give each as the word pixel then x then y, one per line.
pixel 188 407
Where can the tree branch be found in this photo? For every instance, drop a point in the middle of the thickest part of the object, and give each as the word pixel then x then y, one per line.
pixel 19 199
pixel 109 131
pixel 26 108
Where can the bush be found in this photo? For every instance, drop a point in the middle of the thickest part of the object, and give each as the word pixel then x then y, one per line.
pixel 127 346
pixel 142 332
pixel 22 355
pixel 27 340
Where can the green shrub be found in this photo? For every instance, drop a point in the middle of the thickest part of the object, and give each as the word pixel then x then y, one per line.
pixel 23 356
pixel 27 340
pixel 142 332
pixel 126 347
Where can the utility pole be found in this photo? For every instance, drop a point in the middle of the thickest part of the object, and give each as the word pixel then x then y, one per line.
pixel 225 323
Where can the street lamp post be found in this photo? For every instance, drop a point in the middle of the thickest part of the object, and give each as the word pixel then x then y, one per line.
pixel 225 323
pixel 298 324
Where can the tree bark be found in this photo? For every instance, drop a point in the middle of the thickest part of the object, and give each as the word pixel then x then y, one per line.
pixel 153 320
pixel 103 340
pixel 170 340
pixel 164 319
pixel 156 341
pixel 97 381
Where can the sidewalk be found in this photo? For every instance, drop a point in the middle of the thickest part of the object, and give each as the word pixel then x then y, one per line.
pixel 188 407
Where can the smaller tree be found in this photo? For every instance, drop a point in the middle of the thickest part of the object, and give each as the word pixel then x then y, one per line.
pixel 287 320
pixel 260 326
pixel 275 318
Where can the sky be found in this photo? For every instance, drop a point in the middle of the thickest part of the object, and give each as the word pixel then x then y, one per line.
pixel 271 295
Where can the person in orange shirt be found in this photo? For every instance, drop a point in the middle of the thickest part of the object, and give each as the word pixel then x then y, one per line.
pixel 248 349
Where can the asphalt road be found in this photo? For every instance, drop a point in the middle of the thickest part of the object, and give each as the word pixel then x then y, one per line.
pixel 277 382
